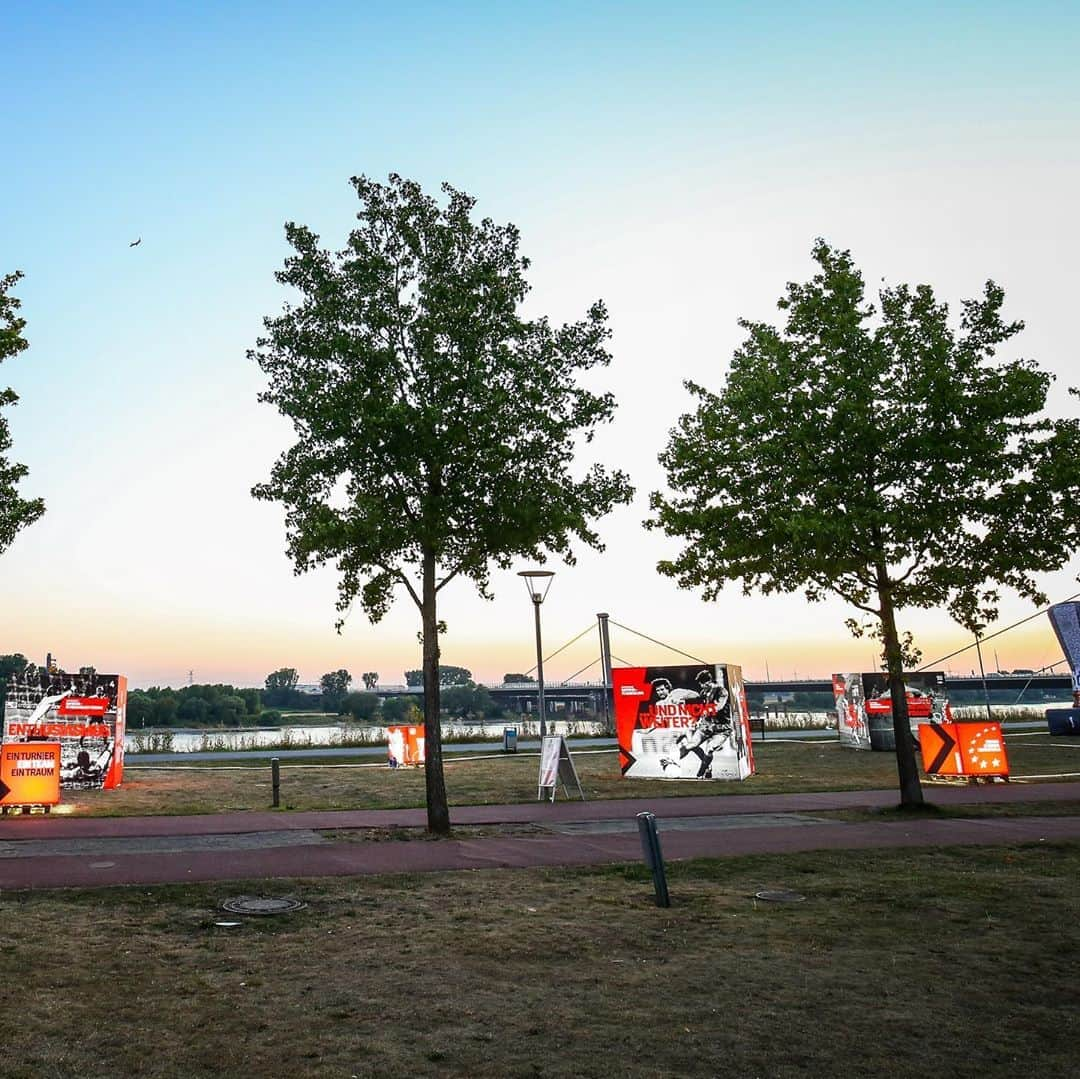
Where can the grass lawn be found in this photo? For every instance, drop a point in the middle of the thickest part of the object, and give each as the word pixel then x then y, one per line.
pixel 898 963
pixel 782 767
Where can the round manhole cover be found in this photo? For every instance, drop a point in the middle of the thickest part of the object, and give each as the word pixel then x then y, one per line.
pixel 779 896
pixel 250 904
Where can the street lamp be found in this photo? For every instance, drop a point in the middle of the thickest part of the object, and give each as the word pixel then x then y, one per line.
pixel 535 580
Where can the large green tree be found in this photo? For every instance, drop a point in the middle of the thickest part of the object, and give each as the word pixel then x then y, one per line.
pixel 280 691
pixel 449 675
pixel 15 512
pixel 335 687
pixel 879 453
pixel 435 424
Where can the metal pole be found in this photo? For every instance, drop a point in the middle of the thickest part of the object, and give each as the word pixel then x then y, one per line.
pixel 540 667
pixel 275 780
pixel 605 665
pixel 654 857
pixel 982 673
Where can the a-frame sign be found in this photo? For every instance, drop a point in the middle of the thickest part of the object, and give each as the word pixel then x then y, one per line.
pixel 556 767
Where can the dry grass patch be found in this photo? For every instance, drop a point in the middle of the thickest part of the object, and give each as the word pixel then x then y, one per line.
pixel 783 768
pixel 898 963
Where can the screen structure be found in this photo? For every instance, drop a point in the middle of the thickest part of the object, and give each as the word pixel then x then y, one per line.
pixel 864 706
pixel 688 722
pixel 85 713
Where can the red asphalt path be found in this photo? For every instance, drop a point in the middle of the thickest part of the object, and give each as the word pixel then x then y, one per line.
pixel 354 858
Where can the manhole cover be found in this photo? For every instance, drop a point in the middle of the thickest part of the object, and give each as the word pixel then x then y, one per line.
pixel 249 904
pixel 780 896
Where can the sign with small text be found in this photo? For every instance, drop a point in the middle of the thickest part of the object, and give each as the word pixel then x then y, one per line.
pixel 30 774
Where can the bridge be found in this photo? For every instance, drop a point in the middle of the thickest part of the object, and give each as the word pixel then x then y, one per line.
pixel 581 696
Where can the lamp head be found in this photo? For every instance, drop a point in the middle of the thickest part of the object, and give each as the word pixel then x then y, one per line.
pixel 535 580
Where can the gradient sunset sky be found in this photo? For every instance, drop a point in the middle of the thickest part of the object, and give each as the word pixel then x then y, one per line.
pixel 676 160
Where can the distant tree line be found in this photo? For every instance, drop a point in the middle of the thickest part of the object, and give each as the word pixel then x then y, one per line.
pixel 221 705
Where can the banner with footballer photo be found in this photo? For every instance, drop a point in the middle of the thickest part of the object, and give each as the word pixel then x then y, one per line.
pixel 682 722
pixel 83 712
pixel 864 706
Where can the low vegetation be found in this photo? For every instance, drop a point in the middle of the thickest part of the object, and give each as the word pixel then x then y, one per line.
pixel 366 783
pixel 564 973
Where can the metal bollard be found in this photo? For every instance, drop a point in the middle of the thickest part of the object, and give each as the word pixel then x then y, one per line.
pixel 275 780
pixel 654 857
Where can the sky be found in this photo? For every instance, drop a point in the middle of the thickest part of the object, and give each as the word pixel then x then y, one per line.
pixel 676 160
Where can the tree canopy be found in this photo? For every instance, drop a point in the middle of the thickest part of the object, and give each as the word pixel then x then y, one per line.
pixel 335 687
pixel 449 675
pixel 878 453
pixel 15 512
pixel 435 425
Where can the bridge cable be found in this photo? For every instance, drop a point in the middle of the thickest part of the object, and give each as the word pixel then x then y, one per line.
pixel 1041 670
pixel 670 647
pixel 566 681
pixel 588 629
pixel 997 633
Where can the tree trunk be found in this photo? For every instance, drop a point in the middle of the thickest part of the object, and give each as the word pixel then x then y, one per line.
pixel 911 795
pixel 438 813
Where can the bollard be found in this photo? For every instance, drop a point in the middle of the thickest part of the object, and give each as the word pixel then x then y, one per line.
pixel 275 780
pixel 654 857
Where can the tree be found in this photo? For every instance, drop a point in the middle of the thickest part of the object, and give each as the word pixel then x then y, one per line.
pixel 15 512
pixel 435 424
pixel 469 700
pixel 370 679
pixel 14 664
pixel 448 676
pixel 140 709
pixel 884 457
pixel 454 676
pixel 361 706
pixel 11 667
pixel 334 685
pixel 399 710
pixel 165 709
pixel 280 686
pixel 193 710
pixel 517 679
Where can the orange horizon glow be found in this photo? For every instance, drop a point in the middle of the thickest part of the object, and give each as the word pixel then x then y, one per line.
pixel 151 658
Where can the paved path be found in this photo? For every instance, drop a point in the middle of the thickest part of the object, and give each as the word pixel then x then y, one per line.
pixel 50 852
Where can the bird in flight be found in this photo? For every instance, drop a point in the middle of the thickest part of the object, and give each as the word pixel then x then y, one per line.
pixel 136 242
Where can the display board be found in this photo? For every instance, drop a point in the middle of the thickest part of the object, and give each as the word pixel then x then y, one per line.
pixel 975 750
pixel 405 746
pixel 1065 618
pixel 864 706
pixel 85 713
pixel 682 722
pixel 556 766
pixel 30 774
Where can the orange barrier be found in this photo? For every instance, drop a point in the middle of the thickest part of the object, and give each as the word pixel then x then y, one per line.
pixel 963 749
pixel 405 746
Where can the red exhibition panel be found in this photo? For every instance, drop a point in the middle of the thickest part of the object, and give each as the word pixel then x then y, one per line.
pixel 682 722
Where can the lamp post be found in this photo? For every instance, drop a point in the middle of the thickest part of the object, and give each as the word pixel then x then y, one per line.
pixel 535 579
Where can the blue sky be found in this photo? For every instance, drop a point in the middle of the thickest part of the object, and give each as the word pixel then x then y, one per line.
pixel 676 160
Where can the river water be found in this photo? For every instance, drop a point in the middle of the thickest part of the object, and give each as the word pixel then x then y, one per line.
pixel 343 735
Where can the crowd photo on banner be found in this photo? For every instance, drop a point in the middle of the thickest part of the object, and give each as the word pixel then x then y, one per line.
pixel 84 713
